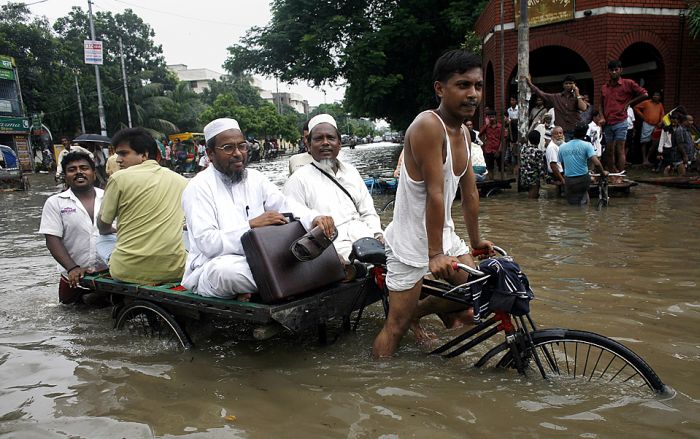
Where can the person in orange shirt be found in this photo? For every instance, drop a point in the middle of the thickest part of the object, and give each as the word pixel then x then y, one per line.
pixel 651 112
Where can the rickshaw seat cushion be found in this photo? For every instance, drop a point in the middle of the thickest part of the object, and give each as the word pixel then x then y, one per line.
pixel 278 274
pixel 368 250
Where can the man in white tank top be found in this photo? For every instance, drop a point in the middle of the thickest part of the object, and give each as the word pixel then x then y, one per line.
pixel 421 237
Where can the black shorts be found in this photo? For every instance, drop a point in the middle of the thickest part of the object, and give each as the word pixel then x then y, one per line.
pixel 577 189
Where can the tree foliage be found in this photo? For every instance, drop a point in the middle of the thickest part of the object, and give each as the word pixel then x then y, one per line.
pixel 383 49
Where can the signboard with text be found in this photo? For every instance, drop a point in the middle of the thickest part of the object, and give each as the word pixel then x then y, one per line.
pixel 14 125
pixel 7 74
pixel 6 62
pixel 541 12
pixel 24 153
pixel 93 51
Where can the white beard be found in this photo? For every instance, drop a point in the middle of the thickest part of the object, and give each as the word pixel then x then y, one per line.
pixel 329 165
pixel 558 142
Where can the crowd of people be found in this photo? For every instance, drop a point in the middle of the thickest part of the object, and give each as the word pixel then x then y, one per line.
pixel 666 142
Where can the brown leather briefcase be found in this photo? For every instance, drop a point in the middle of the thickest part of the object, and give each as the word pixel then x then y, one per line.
pixel 277 272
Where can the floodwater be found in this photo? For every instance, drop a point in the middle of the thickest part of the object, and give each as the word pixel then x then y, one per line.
pixel 629 272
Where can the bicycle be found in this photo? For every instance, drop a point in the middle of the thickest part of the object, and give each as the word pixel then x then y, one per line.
pixel 555 353
pixel 602 181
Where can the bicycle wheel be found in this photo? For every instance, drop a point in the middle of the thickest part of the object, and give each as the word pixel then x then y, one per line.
pixel 149 320
pixel 583 356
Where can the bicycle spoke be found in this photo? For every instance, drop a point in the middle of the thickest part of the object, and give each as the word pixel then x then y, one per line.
pixel 566 358
pixel 618 372
pixel 600 355
pixel 575 358
pixel 606 367
pixel 586 363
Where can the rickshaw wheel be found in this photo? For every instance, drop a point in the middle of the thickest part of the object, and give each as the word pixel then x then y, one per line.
pixel 149 320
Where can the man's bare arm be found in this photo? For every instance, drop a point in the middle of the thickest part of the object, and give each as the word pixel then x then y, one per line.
pixel 103 227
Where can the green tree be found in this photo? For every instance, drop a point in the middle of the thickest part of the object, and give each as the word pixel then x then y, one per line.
pixel 143 61
pixel 383 49
pixel 38 54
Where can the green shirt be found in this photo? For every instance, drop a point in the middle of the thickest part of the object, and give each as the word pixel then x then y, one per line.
pixel 146 199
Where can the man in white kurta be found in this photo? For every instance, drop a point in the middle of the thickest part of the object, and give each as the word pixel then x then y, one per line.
pixel 223 202
pixel 353 215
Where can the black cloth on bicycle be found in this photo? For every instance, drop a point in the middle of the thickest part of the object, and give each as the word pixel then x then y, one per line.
pixel 507 289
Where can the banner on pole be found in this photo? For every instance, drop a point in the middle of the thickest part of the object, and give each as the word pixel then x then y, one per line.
pixel 93 51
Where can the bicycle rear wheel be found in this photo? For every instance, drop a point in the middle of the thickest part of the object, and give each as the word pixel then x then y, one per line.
pixel 583 356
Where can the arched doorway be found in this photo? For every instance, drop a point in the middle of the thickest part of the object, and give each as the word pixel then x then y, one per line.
pixel 550 64
pixel 643 63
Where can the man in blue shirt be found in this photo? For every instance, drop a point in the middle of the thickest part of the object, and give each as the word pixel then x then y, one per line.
pixel 575 156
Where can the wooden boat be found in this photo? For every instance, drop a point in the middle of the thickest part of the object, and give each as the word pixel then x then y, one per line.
pixel 677 182
pixel 161 311
pixel 619 189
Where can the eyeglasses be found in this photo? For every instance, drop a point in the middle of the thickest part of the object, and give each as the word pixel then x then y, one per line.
pixel 229 148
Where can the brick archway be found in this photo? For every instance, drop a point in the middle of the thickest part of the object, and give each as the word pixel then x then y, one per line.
pixel 641 36
pixel 589 57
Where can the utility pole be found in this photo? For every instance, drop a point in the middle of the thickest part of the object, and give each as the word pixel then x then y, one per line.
pixel 523 72
pixel 499 113
pixel 126 89
pixel 80 104
pixel 100 107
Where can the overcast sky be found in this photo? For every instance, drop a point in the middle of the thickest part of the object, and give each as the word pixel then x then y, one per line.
pixel 195 33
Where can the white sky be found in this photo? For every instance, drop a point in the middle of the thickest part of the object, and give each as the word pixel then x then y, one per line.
pixel 195 33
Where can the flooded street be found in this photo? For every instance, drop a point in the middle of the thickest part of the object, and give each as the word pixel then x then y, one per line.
pixel 629 272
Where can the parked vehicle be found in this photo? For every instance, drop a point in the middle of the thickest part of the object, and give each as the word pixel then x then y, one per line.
pixel 11 177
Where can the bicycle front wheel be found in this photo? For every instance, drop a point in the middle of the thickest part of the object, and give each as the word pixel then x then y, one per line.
pixel 584 356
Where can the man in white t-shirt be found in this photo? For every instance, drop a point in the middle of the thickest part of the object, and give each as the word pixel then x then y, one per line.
pixel 554 167
pixel 68 224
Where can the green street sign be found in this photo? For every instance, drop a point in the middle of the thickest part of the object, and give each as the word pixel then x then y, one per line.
pixel 6 62
pixel 7 74
pixel 14 125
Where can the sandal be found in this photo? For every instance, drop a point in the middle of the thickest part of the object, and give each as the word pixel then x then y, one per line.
pixel 312 244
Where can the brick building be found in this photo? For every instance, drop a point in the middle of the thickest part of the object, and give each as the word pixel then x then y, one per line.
pixel 650 38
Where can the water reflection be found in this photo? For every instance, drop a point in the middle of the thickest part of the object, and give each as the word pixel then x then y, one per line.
pixel 628 272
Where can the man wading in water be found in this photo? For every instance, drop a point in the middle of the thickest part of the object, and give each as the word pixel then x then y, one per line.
pixel 421 238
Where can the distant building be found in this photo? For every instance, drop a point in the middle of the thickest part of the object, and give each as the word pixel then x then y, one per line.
pixel 199 79
pixel 578 38
pixel 294 100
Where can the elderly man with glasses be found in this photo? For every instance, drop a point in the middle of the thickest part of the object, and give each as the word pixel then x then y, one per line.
pixel 224 201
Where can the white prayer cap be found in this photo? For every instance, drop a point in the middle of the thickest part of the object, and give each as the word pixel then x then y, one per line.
pixel 217 126
pixel 322 118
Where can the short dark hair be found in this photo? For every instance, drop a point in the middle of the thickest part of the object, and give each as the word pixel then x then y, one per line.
pixel 569 78
pixel 580 130
pixel 533 137
pixel 305 127
pixel 138 139
pixel 594 114
pixel 75 156
pixel 452 62
pixel 613 64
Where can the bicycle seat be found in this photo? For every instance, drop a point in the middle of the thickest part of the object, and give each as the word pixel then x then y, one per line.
pixel 368 250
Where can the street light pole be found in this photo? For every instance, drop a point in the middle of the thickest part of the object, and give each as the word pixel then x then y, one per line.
pixel 100 107
pixel 80 104
pixel 126 89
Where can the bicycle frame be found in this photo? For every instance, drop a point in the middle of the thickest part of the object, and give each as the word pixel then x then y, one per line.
pixel 515 329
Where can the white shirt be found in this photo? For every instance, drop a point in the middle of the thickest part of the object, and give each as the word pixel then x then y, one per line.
pixel 204 161
pixel 298 160
pixel 630 118
pixel 512 112
pixel 354 220
pixel 552 155
pixel 217 212
pixel 594 132
pixel 65 216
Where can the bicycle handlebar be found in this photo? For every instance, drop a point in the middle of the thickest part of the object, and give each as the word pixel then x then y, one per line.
pixel 468 269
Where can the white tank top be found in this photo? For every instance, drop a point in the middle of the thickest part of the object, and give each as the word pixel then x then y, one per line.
pixel 406 234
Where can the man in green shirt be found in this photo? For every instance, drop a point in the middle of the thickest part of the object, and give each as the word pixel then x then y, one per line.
pixel 145 198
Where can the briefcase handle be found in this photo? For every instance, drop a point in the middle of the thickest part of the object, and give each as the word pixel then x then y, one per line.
pixel 290 217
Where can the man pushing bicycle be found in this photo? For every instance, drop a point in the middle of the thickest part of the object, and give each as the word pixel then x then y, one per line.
pixel 421 238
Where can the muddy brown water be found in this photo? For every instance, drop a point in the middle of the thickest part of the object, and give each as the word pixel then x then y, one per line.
pixel 630 272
